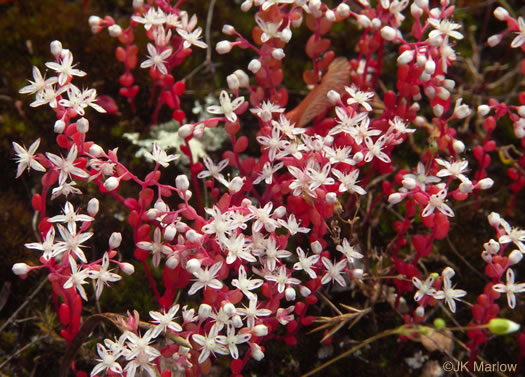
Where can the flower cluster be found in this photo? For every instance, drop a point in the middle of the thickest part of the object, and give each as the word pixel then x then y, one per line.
pixel 274 224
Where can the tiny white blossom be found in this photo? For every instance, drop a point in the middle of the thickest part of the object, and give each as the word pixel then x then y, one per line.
pixel 65 68
pixel 438 201
pixel 227 106
pixel 510 288
pixel 26 158
pixel 157 60
pixel 206 278
pixel 359 97
pixel 520 37
pixel 423 288
pixel 160 156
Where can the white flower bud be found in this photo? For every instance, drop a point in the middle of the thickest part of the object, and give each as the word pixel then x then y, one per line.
pixel 186 131
pixel 466 187
pixel 192 236
pixel 137 4
pixel 501 13
pixel 435 12
pixel 415 11
pixel 111 183
pixel 59 127
pixel 289 293
pixel 420 311
pixel 502 326
pixel 286 35
pixel 237 321
pixel 223 47
pixel 395 198
pixel 485 183
pixel 21 269
pixel 193 265
pixel 438 110
pixel 406 57
pixel 388 33
pixel 376 23
pixel 170 232
pixel 152 213
pixel 114 31
pixel 279 212
pixel 244 80
pixel 486 256
pixel 461 111
pixel 423 4
pixel 172 262
pixel 83 125
pixel 458 146
pixel 94 21
pixel 363 21
pixel 316 247
pixel 182 182
pixel 254 66
pixel 161 206
pixel 358 157
pixel 425 76
pixel 331 198
pixel 449 84
pixel 333 97
pixel 56 48
pixel 515 257
pixel 233 82
pixel 494 40
pixel 246 6
pixel 343 10
pixel 278 53
pixel 256 352
pixel 96 150
pixel 181 227
pixel 521 111
pixel 494 219
pixel 357 273
pixel 483 110
pixel 330 15
pixel 409 183
pixel 115 240
pixel 304 291
pixel 260 330
pixel 448 273
pixel 127 268
pixel 430 66
pixel 228 29
pixel 229 309
pixel 236 184
pixel 204 311
pixel 92 207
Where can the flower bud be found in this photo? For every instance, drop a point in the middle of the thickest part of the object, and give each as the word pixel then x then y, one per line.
pixel 186 131
pixel 223 47
pixel 357 273
pixel 415 11
pixel 21 269
pixel 229 309
pixel 438 110
pixel 423 4
pixel 246 5
pixel 59 127
pixel 289 293
pixel 330 15
pixel 304 291
pixel 331 198
pixel 182 182
pixel 316 247
pixel 260 330
pixel 420 312
pixel 92 207
pixel 343 10
pixel 127 268
pixel 256 352
pixel 376 23
pixel 406 57
pixel 485 183
pixel 395 198
pixel 492 247
pixel 502 326
pixel 483 110
pixel 170 232
pixel 244 80
pixel 458 146
pixel 494 40
pixel 96 150
pixel 173 261
pixel 94 21
pixel 228 29
pixel 115 240
pixel 137 4
pixel 83 125
pixel 461 111
pixel 192 236
pixel 409 183
pixel 494 219
pixel 111 184
pixel 204 311
pixel 388 33
pixel 278 53
pixel 233 82
pixel 515 257
pixel 114 31
pixel 56 48
pixel 236 184
pixel 193 265
pixel 237 321
pixel 466 187
pixel 254 66
pixel 333 97
pixel 363 21
pixel 279 212
pixel 501 13
pixel 448 273
pixel 286 35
